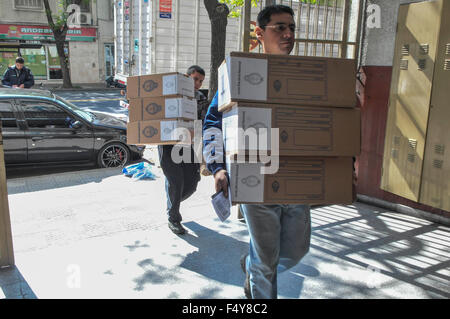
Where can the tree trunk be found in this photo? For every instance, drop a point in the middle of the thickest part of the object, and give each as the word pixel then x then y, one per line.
pixel 63 61
pixel 59 33
pixel 218 15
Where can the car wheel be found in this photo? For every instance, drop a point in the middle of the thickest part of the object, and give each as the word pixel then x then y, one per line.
pixel 113 155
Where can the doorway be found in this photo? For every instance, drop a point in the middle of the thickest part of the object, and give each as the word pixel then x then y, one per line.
pixel 109 59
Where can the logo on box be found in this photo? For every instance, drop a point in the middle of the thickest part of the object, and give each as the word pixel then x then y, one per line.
pixel 149 85
pixel 254 78
pixel 153 108
pixel 149 131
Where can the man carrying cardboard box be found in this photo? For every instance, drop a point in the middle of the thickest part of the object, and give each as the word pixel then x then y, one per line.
pixel 198 75
pixel 279 234
pixel 182 178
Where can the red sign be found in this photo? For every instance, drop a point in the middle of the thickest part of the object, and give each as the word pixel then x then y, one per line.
pixel 165 9
pixel 33 32
pixel 165 6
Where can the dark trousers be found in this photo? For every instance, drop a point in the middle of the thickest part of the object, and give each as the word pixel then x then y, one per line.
pixel 181 180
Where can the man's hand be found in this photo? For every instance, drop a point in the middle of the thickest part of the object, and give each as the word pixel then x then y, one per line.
pixel 15 86
pixel 22 86
pixel 221 181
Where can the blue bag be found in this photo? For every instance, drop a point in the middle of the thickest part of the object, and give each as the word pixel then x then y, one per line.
pixel 139 171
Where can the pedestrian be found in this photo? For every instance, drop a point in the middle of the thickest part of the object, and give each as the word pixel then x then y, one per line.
pixel 279 234
pixel 182 178
pixel 198 75
pixel 18 75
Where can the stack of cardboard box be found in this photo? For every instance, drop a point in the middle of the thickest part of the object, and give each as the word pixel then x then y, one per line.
pixel 311 100
pixel 159 105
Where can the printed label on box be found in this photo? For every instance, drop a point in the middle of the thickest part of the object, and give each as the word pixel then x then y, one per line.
pixel 248 78
pixel 224 83
pixel 247 182
pixel 186 85
pixel 247 118
pixel 190 108
pixel 170 84
pixel 167 128
pixel 173 107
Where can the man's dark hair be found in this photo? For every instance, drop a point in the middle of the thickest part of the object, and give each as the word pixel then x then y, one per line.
pixel 20 60
pixel 265 14
pixel 195 68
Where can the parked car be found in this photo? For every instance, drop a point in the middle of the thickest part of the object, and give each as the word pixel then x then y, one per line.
pixel 41 127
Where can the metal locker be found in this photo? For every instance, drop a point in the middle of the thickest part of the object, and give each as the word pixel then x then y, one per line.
pixel 409 101
pixel 435 190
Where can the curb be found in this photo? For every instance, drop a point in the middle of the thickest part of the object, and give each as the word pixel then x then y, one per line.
pixel 403 209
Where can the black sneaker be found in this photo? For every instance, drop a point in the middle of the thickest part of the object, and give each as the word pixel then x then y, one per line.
pixel 247 292
pixel 176 228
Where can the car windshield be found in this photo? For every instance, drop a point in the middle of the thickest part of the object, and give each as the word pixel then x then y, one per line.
pixel 88 116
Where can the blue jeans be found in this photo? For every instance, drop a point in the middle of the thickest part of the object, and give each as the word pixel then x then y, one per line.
pixel 181 181
pixel 279 238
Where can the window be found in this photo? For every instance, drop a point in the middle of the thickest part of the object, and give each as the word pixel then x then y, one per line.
pixel 84 5
pixel 7 117
pixel 45 115
pixel 29 4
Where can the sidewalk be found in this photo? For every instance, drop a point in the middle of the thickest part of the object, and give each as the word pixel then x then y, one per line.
pixel 98 234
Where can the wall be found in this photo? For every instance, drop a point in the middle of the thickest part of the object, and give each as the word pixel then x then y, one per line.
pixel 378 43
pixel 8 14
pixel 105 21
pixel 84 62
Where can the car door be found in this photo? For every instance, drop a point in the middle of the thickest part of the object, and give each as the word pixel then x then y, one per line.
pixel 50 138
pixel 14 141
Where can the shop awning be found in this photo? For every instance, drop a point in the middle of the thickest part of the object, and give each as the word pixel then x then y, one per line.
pixel 33 32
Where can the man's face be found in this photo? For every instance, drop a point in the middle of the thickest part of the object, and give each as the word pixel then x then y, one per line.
pixel 198 79
pixel 277 36
pixel 19 66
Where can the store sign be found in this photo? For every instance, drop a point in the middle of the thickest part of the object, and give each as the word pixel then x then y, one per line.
pixel 27 32
pixel 165 9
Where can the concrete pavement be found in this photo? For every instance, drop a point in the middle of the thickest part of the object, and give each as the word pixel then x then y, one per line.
pixel 98 234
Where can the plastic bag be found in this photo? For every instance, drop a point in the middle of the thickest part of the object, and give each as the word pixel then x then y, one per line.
pixel 142 170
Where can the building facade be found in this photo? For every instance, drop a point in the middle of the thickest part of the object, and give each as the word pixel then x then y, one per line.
pixel 24 31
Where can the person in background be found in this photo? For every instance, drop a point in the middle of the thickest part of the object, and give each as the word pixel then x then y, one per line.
pixel 182 178
pixel 18 75
pixel 279 234
pixel 198 75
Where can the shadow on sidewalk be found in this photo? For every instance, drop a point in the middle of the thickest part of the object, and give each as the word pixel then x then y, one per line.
pixel 388 245
pixel 59 179
pixel 13 285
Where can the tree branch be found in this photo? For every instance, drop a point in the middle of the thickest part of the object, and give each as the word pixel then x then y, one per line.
pixel 48 12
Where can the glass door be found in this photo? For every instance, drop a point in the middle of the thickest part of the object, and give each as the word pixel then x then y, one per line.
pixel 54 67
pixel 109 59
pixel 35 60
pixel 7 58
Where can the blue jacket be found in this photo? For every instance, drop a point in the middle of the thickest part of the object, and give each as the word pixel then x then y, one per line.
pixel 13 76
pixel 213 149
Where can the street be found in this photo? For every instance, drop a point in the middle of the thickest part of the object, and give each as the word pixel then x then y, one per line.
pixel 106 100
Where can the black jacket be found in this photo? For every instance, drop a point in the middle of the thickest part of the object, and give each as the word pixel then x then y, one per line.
pixel 13 76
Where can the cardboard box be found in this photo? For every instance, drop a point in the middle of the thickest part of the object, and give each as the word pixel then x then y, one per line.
pixel 160 85
pixel 159 132
pixel 157 108
pixel 299 180
pixel 287 79
pixel 303 130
